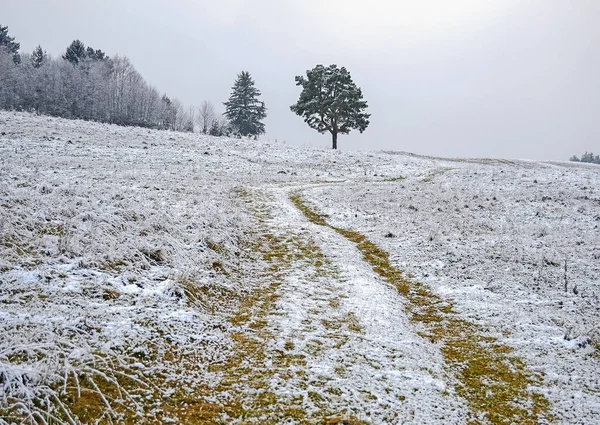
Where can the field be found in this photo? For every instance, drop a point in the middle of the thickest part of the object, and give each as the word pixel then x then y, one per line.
pixel 161 277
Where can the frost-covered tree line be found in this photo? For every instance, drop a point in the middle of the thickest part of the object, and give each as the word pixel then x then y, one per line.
pixel 588 157
pixel 85 83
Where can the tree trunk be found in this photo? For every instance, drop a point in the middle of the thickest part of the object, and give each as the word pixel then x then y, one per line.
pixel 334 139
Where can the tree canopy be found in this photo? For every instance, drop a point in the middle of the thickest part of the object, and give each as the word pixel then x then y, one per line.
pixel 77 52
pixel 244 111
pixel 586 157
pixel 91 87
pixel 330 101
pixel 38 56
pixel 9 44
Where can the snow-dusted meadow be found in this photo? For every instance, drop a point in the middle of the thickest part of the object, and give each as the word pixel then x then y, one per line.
pixel 494 237
pixel 131 256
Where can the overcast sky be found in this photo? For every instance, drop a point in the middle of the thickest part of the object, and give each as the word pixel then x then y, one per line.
pixel 466 78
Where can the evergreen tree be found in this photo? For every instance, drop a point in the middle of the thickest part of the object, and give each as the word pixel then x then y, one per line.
pixel 169 113
pixel 38 57
pixel 95 55
pixel 215 129
pixel 330 101
pixel 219 127
pixel 9 44
pixel 587 157
pixel 75 52
pixel 243 109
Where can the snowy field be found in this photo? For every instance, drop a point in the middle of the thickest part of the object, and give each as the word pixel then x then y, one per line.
pixel 160 277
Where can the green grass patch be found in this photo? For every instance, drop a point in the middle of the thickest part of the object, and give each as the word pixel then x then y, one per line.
pixel 435 173
pixel 394 179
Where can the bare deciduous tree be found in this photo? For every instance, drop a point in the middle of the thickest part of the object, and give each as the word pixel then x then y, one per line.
pixel 206 116
pixel 97 88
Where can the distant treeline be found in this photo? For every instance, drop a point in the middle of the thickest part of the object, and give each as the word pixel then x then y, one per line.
pixel 85 83
pixel 586 157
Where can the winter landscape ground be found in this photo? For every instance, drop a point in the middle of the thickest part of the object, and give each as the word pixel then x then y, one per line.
pixel 160 277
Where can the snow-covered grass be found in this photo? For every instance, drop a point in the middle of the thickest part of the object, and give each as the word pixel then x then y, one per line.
pixel 470 354
pixel 156 277
pixel 103 229
pixel 493 237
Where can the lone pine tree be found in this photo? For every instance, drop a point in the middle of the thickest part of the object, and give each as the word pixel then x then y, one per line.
pixel 330 101
pixel 243 109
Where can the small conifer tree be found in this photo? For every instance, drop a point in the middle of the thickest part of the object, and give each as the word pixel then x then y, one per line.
pixel 38 57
